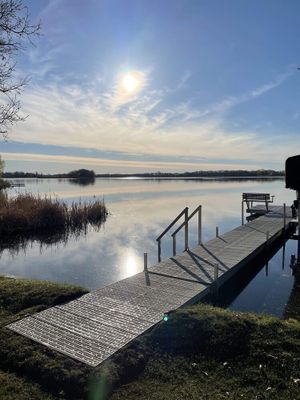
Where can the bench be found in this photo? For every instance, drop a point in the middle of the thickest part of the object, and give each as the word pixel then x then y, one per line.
pixel 250 198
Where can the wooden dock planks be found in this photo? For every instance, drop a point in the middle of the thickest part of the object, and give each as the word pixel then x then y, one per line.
pixel 95 326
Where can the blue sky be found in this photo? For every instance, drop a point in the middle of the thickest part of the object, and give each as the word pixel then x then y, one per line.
pixel 169 85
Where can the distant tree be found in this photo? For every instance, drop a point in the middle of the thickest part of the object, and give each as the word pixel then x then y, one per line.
pixel 15 30
pixel 81 173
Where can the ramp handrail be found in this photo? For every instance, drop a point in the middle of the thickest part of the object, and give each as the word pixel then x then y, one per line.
pixel 197 210
pixel 183 212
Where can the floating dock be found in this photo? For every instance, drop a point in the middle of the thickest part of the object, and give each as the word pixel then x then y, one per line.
pixel 98 324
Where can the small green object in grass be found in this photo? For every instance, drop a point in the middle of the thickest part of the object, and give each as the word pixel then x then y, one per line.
pixel 166 317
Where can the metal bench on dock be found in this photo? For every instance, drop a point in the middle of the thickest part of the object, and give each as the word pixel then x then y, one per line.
pixel 256 209
pixel 251 198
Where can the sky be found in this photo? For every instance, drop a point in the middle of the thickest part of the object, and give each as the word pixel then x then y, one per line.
pixel 161 85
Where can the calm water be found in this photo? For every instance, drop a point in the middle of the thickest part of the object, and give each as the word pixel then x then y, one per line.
pixel 140 209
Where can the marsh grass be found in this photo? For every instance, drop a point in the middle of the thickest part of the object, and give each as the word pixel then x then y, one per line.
pixel 29 214
pixel 4 184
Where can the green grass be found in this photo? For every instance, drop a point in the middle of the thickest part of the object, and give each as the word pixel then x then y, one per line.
pixel 201 352
pixel 22 360
pixel 13 387
pixel 209 353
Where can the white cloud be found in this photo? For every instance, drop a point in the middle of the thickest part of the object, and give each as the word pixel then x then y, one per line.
pixel 88 117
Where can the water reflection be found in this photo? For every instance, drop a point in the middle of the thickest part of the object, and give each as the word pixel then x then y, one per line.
pixel 140 210
pixel 132 267
pixel 265 286
pixel 82 181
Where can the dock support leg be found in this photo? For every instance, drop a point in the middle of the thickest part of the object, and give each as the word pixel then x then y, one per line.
pixel 217 231
pixel 214 288
pixel 267 238
pixel 243 222
pixel 283 256
pixel 216 272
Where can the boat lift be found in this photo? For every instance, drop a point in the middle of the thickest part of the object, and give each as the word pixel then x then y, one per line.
pixel 292 181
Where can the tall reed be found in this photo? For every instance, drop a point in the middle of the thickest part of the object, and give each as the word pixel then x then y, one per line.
pixel 36 214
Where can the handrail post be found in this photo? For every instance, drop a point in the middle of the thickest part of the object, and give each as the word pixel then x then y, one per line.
pixel 159 250
pixel 200 225
pixel 174 245
pixel 217 231
pixel 186 229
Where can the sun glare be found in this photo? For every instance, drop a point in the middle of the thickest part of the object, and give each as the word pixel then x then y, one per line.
pixel 130 83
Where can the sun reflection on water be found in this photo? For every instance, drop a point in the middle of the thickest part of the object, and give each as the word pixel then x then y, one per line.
pixel 131 266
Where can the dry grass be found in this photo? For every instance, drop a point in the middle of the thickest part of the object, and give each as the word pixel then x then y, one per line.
pixel 4 184
pixel 27 213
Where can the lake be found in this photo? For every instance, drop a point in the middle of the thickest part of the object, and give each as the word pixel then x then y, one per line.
pixel 140 209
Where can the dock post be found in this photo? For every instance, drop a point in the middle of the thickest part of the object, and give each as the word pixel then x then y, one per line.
pixel 243 222
pixel 283 256
pixel 214 289
pixel 174 245
pixel 267 238
pixel 159 250
pixel 216 272
pixel 267 268
pixel 217 231
pixel 186 229
pixel 200 225
pixel 145 262
pixel 147 278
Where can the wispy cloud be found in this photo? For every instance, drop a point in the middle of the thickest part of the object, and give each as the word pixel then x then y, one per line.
pixel 232 101
pixel 89 116
pixel 185 77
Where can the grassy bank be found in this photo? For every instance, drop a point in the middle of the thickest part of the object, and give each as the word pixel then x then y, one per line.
pixel 200 353
pixel 27 369
pixel 29 214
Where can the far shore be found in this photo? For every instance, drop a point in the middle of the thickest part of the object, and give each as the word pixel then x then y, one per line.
pixel 90 175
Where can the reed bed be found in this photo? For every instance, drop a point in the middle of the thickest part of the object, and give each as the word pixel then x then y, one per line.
pixel 32 214
pixel 4 184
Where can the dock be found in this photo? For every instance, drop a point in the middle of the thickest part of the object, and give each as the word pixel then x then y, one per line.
pixel 98 324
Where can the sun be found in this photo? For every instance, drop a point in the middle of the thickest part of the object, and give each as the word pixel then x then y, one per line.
pixel 130 83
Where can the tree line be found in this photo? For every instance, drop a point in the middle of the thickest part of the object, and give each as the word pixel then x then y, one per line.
pixel 90 174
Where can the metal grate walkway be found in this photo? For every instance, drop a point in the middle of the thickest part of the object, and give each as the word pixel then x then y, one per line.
pixel 98 324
